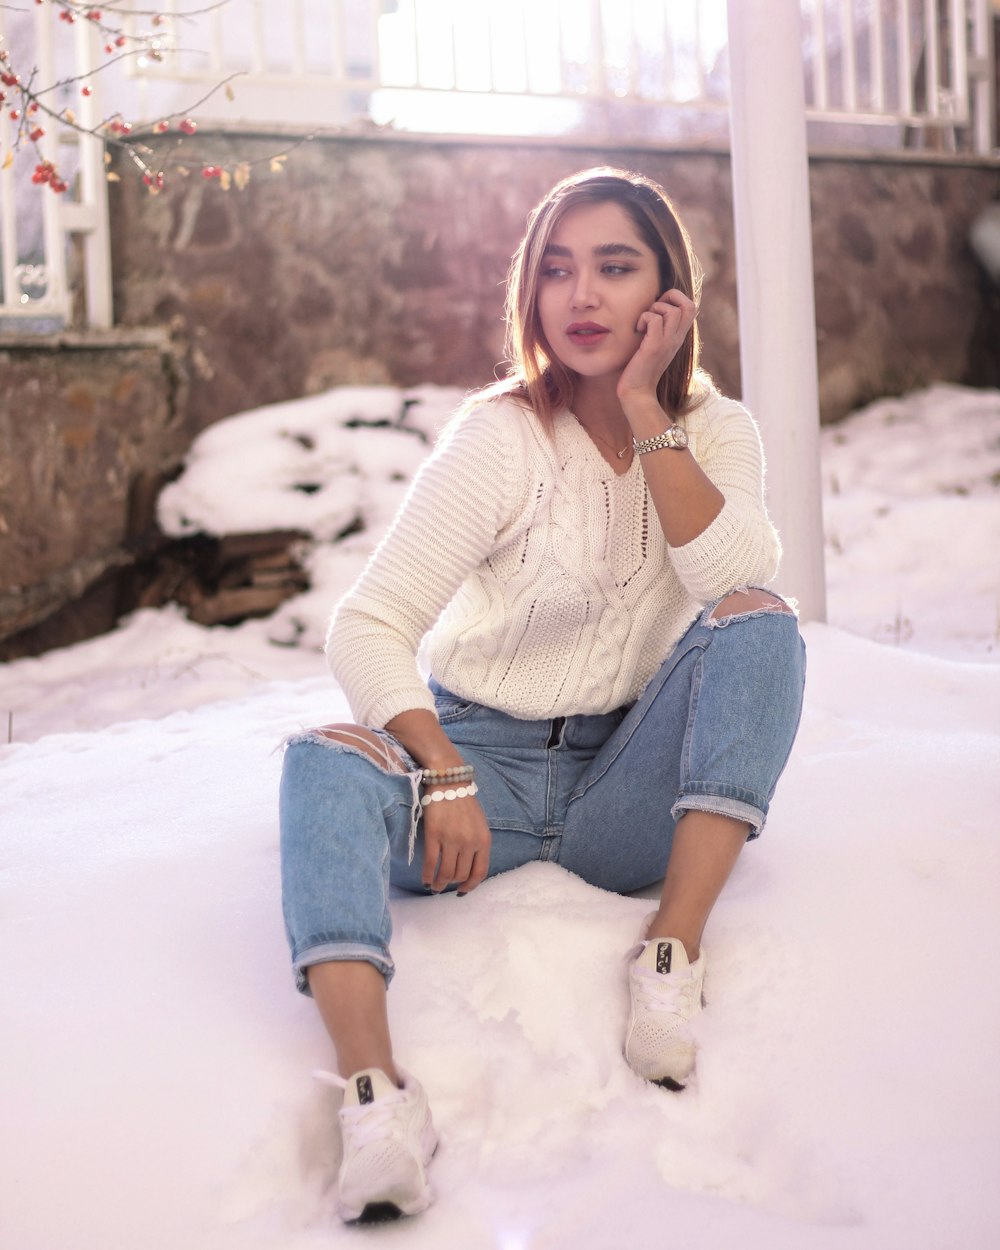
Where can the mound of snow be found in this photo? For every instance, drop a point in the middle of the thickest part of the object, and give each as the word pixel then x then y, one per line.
pixel 156 1058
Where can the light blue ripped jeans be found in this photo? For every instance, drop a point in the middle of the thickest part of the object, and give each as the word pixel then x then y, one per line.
pixel 599 795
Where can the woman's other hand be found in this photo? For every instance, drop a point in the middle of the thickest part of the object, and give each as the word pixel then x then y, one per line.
pixel 664 328
pixel 456 845
pixel 456 835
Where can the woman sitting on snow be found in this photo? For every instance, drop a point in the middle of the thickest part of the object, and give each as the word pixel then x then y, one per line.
pixel 575 544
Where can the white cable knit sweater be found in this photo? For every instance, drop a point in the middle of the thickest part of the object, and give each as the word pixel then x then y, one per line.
pixel 545 578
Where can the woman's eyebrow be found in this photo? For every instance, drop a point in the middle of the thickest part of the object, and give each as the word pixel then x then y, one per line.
pixel 604 249
pixel 617 249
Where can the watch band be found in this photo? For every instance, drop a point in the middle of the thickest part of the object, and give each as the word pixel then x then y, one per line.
pixel 674 439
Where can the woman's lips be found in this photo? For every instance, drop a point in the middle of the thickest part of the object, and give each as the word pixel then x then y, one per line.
pixel 586 333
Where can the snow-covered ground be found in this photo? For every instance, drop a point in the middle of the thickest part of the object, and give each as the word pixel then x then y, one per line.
pixel 155 1059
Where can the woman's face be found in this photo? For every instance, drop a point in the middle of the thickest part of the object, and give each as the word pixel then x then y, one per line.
pixel 597 276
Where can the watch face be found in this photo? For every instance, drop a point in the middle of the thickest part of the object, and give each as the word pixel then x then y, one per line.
pixel 679 436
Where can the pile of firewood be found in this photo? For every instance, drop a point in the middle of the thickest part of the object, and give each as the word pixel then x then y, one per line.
pixel 221 581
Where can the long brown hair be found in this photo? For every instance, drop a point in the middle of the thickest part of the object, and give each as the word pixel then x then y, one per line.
pixel 534 373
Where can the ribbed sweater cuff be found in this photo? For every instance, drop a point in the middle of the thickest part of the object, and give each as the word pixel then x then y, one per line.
pixel 413 698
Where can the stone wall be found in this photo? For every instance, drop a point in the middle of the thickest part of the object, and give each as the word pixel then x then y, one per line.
pixel 89 429
pixel 900 300
pixel 382 260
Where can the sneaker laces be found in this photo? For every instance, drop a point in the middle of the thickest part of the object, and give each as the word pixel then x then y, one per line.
pixel 368 1121
pixel 675 994
pixel 329 1078
pixel 376 1122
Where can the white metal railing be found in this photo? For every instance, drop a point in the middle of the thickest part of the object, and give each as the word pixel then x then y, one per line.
pixel 37 227
pixel 879 73
pixel 921 65
pixel 468 66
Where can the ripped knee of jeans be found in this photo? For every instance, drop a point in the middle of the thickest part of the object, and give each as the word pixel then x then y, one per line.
pixel 374 744
pixel 381 749
pixel 747 602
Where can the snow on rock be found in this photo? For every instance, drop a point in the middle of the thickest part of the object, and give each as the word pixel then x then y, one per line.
pixel 321 465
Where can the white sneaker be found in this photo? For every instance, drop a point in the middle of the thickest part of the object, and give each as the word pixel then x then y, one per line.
pixel 388 1141
pixel 666 990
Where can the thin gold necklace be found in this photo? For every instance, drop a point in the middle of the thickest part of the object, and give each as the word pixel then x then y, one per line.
pixel 620 454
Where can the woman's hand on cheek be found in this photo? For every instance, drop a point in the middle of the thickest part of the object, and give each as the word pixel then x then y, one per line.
pixel 664 328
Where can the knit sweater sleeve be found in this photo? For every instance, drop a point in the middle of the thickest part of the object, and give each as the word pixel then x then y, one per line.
pixel 740 547
pixel 457 505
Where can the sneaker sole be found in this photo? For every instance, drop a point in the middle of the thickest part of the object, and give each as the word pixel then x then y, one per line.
pixel 377 1213
pixel 668 1082
pixel 386 1212
pixel 674 1083
pixel 383 1212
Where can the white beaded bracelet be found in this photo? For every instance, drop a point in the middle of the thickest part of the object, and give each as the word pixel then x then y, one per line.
pixel 441 796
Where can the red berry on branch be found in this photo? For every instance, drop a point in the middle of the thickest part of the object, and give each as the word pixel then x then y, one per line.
pixel 121 41
pixel 15 115
pixel 86 91
pixel 32 108
pixel 161 128
pixel 210 171
pixel 58 186
pixel 36 134
pixel 188 125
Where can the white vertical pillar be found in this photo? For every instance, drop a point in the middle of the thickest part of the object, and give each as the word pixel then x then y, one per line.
pixel 774 271
pixel 93 206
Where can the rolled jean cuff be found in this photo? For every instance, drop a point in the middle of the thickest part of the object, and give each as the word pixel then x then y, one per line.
pixel 331 952
pixel 747 808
